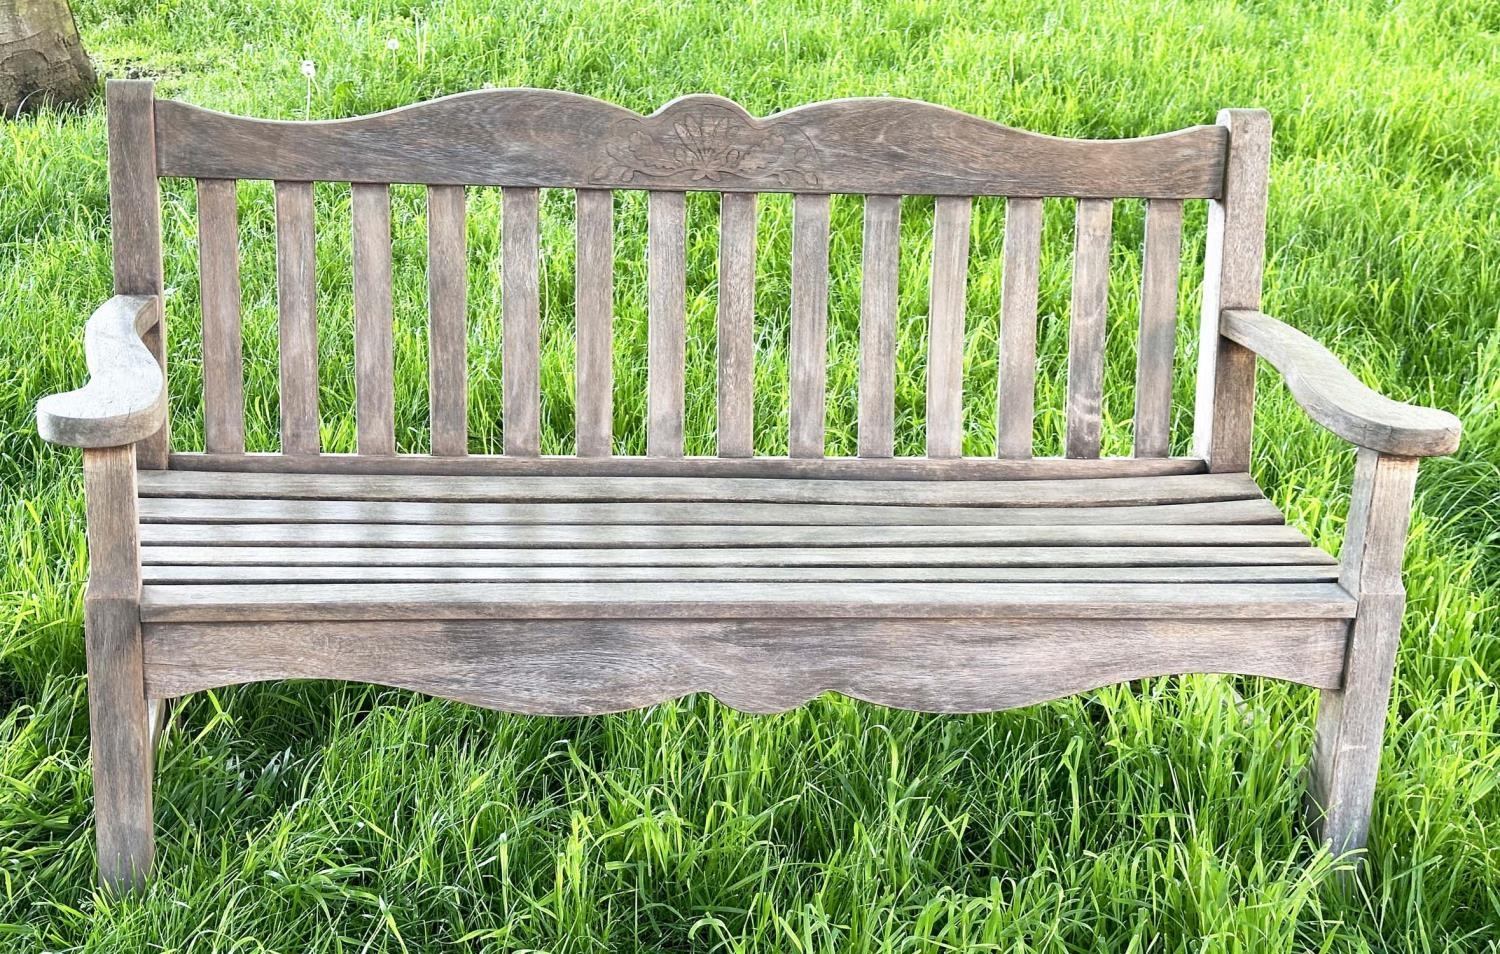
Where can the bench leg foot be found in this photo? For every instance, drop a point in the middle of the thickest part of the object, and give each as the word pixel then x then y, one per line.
pixel 1351 726
pixel 120 742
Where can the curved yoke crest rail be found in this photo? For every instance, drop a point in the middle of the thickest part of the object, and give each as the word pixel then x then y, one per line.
pixel 551 139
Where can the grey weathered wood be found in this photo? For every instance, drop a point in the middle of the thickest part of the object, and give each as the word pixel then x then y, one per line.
pixel 273 510
pixel 1335 398
pixel 1086 328
pixel 543 138
pixel 374 354
pixel 296 297
pixel 809 338
pixel 135 226
pixel 969 665
pixel 846 468
pixel 736 324
pixel 1352 715
pixel 1233 262
pixel 758 601
pixel 708 535
pixel 125 399
pixel 447 330
pixel 877 326
pixel 1108 491
pixel 581 573
pixel 945 339
pixel 520 312
pixel 594 314
pixel 1017 388
pixel 219 291
pixel 802 556
pixel 120 741
pixel 1161 263
pixel 666 344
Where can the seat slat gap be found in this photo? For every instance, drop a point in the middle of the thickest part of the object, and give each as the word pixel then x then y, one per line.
pixel 809 339
pixel 447 309
pixel 595 282
pixel 1086 327
pixel 1158 329
pixel 520 322
pixel 1018 292
pixel 219 290
pixel 666 344
pixel 374 357
pixel 296 302
pixel 736 324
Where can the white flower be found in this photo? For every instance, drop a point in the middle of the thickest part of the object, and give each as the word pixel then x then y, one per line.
pixel 309 69
pixel 393 44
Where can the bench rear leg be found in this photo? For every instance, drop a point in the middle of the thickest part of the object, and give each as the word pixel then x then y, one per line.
pixel 1351 719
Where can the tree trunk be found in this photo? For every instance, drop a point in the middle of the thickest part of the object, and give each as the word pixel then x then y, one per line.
pixel 41 56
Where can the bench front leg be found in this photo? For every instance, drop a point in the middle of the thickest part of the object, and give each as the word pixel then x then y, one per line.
pixel 1351 719
pixel 119 726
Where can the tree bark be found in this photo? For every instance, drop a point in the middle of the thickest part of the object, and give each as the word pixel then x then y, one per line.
pixel 41 55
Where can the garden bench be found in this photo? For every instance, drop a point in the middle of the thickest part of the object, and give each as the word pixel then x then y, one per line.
pixel 595 582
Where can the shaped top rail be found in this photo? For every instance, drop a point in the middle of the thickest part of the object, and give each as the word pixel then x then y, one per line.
pixel 551 139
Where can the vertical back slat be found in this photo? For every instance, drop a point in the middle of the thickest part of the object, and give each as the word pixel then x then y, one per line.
pixel 1158 335
pixel 877 326
pixel 296 298
pixel 666 347
pixel 1086 327
pixel 135 225
pixel 447 329
pixel 594 284
pixel 520 322
pixel 736 324
pixel 219 290
pixel 1017 389
pixel 809 344
pixel 374 357
pixel 945 346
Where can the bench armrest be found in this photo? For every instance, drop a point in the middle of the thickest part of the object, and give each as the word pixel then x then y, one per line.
pixel 125 399
pixel 1335 398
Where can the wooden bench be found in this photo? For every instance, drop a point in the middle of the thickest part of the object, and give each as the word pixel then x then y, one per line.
pixel 595 583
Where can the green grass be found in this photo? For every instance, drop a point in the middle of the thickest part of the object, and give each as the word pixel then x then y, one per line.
pixel 1155 816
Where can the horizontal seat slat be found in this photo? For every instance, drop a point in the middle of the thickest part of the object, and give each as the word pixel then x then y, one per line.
pixel 698 600
pixel 736 556
pixel 646 574
pixel 1119 492
pixel 220 511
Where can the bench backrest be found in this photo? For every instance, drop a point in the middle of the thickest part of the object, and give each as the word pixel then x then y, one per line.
pixel 882 149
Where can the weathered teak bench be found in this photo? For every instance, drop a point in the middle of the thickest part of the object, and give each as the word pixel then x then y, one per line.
pixel 595 583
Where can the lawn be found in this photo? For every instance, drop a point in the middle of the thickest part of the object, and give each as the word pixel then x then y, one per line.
pixel 1157 816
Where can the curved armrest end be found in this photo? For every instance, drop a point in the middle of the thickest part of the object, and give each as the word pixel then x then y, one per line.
pixel 1335 398
pixel 125 399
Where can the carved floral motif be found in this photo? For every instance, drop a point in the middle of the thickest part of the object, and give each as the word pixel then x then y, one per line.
pixel 708 142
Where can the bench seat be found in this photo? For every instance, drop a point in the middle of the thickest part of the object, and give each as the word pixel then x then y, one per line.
pixel 238 546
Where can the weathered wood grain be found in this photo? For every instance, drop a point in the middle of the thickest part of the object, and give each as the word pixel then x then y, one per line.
pixel 877 326
pixel 809 335
pixel 520 317
pixel 543 138
pixel 125 399
pixel 296 302
pixel 374 354
pixel 219 292
pixel 1335 398
pixel 1017 387
pixel 1091 237
pixel 135 227
pixel 120 739
pixel 1161 263
pixel 666 334
pixel 945 337
pixel 1234 259
pixel 773 665
pixel 595 312
pixel 736 324
pixel 447 311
